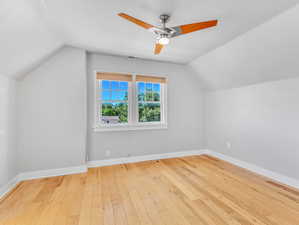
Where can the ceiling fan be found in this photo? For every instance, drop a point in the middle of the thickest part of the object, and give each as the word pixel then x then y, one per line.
pixel 165 33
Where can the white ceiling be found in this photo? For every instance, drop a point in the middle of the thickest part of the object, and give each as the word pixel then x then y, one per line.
pixel 33 29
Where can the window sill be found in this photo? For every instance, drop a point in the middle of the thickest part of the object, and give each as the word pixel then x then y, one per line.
pixel 131 127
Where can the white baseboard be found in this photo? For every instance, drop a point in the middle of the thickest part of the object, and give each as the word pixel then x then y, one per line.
pixel 9 187
pixel 52 172
pixel 256 169
pixel 110 162
pixel 40 174
pixel 107 162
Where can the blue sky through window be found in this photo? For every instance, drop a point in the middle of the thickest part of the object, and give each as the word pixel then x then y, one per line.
pixel 114 85
pixel 148 87
pixel 106 84
pixel 123 85
pixel 114 90
pixel 141 87
pixel 156 87
pixel 106 95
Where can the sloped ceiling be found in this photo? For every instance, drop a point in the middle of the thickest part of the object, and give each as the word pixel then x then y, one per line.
pixel 32 29
pixel 268 52
pixel 25 38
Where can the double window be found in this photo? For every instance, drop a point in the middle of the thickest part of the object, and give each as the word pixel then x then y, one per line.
pixel 130 101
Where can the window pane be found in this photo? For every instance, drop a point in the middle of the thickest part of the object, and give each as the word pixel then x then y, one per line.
pixel 106 84
pixel 141 91
pixel 156 92
pixel 149 96
pixel 123 85
pixel 156 87
pixel 113 113
pixel 156 96
pixel 141 97
pixel 148 86
pixel 106 95
pixel 119 95
pixel 114 95
pixel 123 95
pixel 114 85
pixel 149 112
pixel 141 87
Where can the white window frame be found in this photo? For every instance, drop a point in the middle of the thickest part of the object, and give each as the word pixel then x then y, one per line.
pixel 133 117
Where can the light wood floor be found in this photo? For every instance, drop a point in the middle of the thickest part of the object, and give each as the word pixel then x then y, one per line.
pixel 198 190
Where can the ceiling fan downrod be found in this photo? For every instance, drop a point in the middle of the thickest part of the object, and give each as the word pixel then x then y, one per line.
pixel 164 18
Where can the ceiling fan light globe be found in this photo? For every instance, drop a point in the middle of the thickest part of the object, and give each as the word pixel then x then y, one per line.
pixel 164 41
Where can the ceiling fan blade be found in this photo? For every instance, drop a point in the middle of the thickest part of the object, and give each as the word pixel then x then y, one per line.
pixel 188 28
pixel 136 21
pixel 158 48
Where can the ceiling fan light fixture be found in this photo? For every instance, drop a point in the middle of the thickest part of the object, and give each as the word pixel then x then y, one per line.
pixel 164 40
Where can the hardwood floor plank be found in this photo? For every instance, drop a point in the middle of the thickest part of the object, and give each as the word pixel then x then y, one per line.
pixel 130 210
pixel 196 190
pixel 256 196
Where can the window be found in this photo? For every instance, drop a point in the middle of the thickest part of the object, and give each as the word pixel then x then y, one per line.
pixel 130 101
pixel 149 99
pixel 114 102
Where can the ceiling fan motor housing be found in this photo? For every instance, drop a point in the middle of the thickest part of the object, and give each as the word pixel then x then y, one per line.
pixel 164 18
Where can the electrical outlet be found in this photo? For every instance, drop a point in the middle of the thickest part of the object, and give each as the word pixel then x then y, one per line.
pixel 228 145
pixel 107 153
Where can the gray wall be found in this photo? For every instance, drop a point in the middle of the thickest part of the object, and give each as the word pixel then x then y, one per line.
pixel 260 121
pixel 8 137
pixel 184 111
pixel 52 113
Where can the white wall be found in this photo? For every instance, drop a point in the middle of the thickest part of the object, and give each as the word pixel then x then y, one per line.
pixel 8 139
pixel 265 53
pixel 260 121
pixel 184 111
pixel 52 113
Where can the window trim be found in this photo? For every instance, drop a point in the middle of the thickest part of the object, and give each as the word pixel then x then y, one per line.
pixel 133 117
